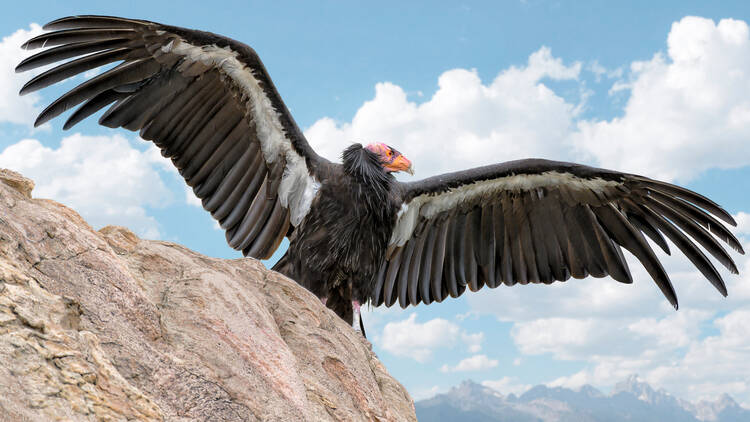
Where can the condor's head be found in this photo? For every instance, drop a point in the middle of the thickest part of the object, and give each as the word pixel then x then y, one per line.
pixel 391 160
pixel 375 161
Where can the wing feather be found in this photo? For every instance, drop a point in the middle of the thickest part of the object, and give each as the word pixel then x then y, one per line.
pixel 697 232
pixel 389 294
pixel 450 259
pixel 426 266
pixel 439 291
pixel 486 246
pixel 93 105
pixel 687 247
pixel 542 245
pixel 470 263
pixel 403 274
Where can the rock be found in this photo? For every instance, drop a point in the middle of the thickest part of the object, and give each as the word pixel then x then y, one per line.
pixel 18 182
pixel 107 326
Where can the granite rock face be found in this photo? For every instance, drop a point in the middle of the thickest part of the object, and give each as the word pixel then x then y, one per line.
pixel 106 326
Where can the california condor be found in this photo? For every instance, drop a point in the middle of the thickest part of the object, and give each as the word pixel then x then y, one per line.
pixel 357 235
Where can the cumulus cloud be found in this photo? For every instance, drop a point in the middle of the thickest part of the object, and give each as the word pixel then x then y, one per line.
pixel 681 118
pixel 426 393
pixel 191 199
pixel 473 342
pixel 743 223
pixel 465 121
pixel 708 368
pixel 586 339
pixel 13 108
pixel 601 72
pixel 688 110
pixel 104 178
pixel 473 363
pixel 418 341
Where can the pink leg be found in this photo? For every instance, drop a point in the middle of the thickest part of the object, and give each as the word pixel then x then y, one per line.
pixel 355 318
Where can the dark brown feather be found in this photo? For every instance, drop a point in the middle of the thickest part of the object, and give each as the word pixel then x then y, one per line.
pixel 632 239
pixel 69 36
pixel 125 73
pixel 695 231
pixel 403 274
pixel 687 247
pixel 487 246
pixel 690 196
pixel 449 273
pixel 701 217
pixel 93 105
pixel 425 270
pixel 644 226
pixel 415 265
pixel 470 263
pixel 437 287
pixel 67 51
pixel 389 293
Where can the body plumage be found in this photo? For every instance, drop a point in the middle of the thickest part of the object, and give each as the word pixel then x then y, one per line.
pixel 337 251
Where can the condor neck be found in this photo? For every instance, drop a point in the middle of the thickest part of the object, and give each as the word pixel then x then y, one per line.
pixel 364 167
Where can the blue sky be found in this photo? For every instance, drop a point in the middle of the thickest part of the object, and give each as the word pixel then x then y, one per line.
pixel 656 88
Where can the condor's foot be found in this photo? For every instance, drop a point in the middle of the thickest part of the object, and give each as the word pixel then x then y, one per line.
pixel 342 311
pixel 357 323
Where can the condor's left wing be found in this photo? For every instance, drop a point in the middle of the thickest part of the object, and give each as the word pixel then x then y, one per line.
pixel 538 221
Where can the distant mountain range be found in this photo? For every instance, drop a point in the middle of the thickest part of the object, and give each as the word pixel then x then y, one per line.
pixel 630 400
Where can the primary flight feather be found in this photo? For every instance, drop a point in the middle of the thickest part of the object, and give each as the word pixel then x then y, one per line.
pixel 357 235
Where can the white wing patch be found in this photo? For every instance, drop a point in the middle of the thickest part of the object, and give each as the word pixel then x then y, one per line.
pixel 297 188
pixel 430 205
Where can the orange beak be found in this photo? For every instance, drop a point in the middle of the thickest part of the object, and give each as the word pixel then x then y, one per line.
pixel 400 163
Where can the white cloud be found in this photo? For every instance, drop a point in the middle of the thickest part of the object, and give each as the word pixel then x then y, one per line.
pixel 507 385
pixel 710 367
pixel 473 363
pixel 469 314
pixel 104 178
pixel 473 342
pixel 743 223
pixel 562 337
pixel 418 341
pixel 688 111
pixel 426 393
pixel 680 118
pixel 714 365
pixel 13 108
pixel 191 199
pixel 600 71
pixel 516 115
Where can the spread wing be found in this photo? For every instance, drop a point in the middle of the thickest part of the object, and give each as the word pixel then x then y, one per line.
pixel 538 221
pixel 206 101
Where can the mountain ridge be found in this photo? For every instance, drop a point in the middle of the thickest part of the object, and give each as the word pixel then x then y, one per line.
pixel 631 399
